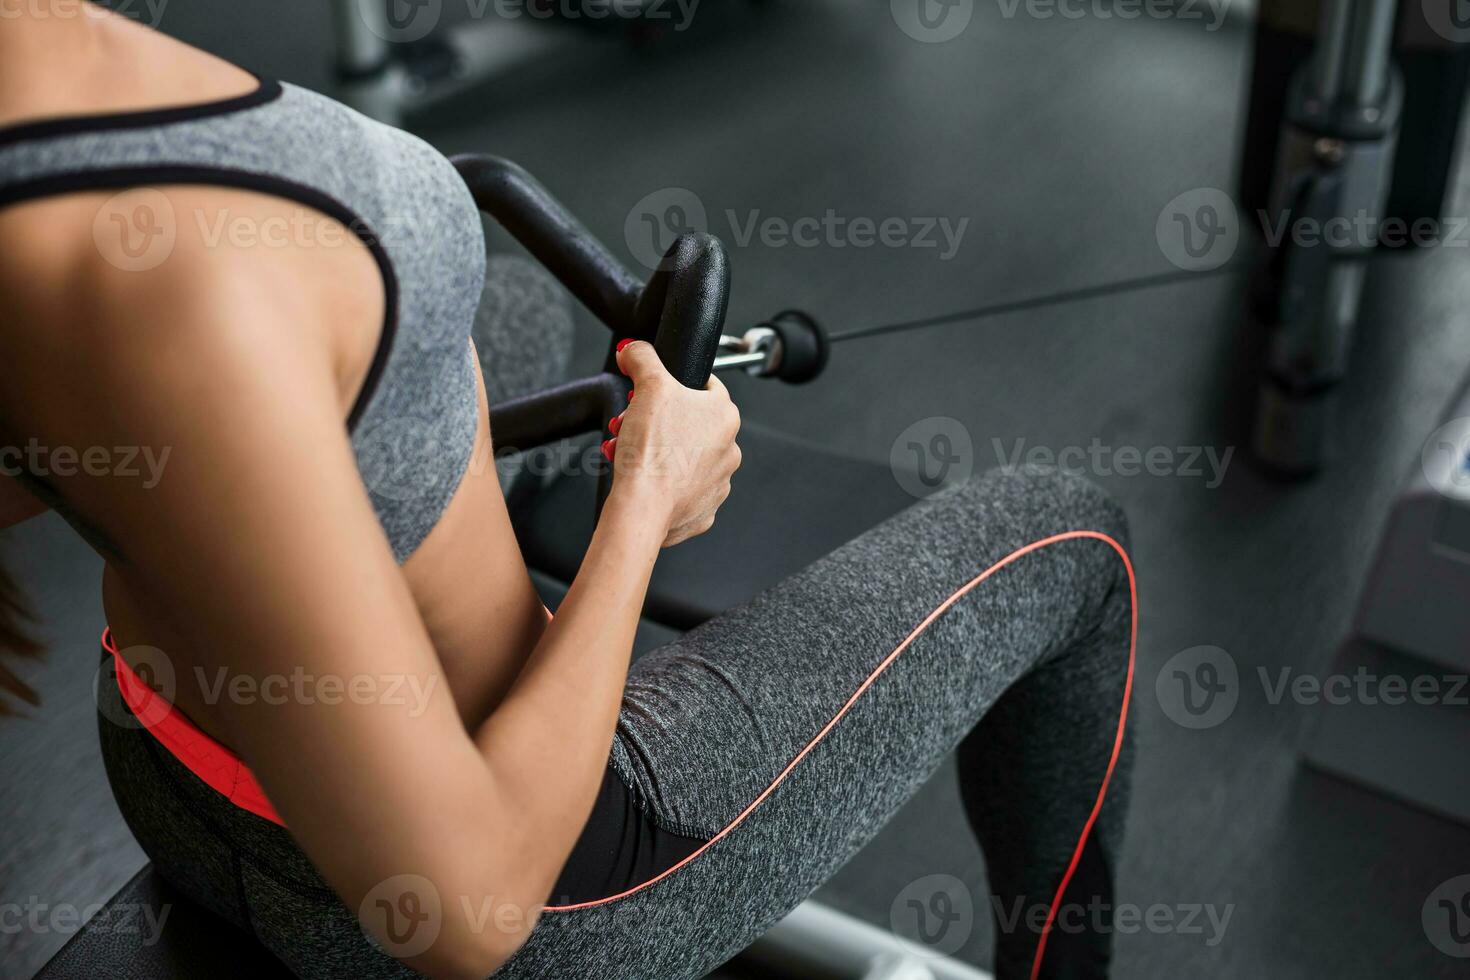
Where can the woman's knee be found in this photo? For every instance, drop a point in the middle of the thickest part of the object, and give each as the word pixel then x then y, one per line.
pixel 1051 501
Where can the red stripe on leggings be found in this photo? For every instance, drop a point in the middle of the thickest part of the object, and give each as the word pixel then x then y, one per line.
pixel 888 660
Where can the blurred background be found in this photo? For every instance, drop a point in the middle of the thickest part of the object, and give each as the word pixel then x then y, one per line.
pixel 1080 198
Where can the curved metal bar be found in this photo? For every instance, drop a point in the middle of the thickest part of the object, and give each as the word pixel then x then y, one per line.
pixel 681 309
pixel 562 412
pixel 526 209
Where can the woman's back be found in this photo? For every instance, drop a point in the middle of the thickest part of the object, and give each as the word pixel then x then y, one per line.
pixel 372 235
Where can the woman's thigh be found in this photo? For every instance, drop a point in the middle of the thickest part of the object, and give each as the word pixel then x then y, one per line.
pixel 787 732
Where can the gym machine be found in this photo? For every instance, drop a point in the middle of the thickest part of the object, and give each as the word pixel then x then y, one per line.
pixel 397 57
pixel 1333 167
pixel 394 58
pixel 1352 128
pixel 1357 103
pixel 680 310
pixel 1408 738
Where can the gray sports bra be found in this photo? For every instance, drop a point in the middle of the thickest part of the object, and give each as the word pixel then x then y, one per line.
pixel 413 424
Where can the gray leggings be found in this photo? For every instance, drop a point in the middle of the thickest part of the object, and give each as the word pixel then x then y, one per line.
pixel 785 734
pixel 788 731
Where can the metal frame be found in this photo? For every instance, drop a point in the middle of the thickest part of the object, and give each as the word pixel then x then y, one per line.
pixel 1411 623
pixel 817 942
pixel 1334 164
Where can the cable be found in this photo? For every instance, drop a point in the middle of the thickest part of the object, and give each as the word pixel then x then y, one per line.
pixel 1035 302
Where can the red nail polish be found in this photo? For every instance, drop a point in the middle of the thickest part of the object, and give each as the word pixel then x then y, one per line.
pixel 630 396
pixel 624 343
pixel 615 425
pixel 607 449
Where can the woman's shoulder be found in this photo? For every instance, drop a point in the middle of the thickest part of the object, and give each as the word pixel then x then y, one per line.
pixel 80 265
pixel 99 269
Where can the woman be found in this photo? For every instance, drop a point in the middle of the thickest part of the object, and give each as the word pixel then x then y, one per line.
pixel 272 296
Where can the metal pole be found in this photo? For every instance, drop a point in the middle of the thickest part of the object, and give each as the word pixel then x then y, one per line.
pixel 815 941
pixel 1331 50
pixel 362 36
pixel 1365 81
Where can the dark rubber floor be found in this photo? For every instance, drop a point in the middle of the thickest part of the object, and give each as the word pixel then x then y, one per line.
pixel 1060 141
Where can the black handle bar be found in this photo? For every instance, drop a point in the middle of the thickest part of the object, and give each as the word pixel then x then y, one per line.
pixel 681 309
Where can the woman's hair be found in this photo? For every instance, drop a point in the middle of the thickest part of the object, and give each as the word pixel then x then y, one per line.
pixel 16 641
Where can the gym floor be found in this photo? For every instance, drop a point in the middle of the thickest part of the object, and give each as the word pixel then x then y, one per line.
pixel 1060 141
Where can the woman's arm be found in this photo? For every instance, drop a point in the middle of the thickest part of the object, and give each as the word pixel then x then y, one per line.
pixel 261 541
pixel 675 453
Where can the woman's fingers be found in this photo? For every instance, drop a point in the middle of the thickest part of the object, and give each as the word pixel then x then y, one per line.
pixel 639 361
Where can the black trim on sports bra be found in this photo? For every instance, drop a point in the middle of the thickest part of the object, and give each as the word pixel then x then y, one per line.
pixel 116 178
pixel 266 90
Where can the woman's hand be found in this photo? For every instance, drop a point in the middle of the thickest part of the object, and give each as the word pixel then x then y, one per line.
pixel 674 449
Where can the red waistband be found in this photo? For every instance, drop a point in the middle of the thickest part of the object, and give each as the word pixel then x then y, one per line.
pixel 221 769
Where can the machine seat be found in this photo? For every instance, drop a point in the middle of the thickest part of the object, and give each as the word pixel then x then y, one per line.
pixel 194 942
